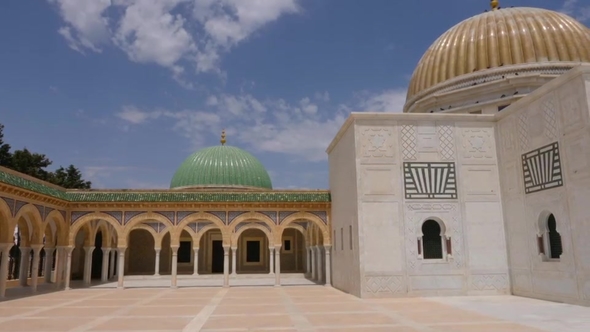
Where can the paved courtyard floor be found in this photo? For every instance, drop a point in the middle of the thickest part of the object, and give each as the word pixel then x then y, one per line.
pixel 295 308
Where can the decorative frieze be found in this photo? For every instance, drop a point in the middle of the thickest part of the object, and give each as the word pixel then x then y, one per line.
pixel 542 169
pixel 384 284
pixel 430 181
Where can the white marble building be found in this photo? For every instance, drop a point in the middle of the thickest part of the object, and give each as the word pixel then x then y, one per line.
pixel 461 204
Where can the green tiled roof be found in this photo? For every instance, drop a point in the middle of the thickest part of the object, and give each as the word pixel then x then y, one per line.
pixel 161 196
pixel 221 166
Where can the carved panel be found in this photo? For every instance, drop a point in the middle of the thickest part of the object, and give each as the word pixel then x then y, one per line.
pixel 167 214
pixel 118 215
pixel 193 226
pixel 131 214
pixel 203 224
pixel 430 181
pixel 416 213
pixel 231 215
pixel 180 215
pixel 322 215
pixel 523 133
pixel 18 205
pixel 377 142
pixel 377 181
pixel 495 282
pixel 408 140
pixel 542 169
pixel 271 214
pixel 284 214
pixel 219 214
pixel 477 143
pixel 41 210
pixel 47 212
pixel 384 284
pixel 572 114
pixel 550 117
pixel 506 131
pixel 426 138
pixel 446 136
pixel 10 202
pixel 77 215
pixel 156 225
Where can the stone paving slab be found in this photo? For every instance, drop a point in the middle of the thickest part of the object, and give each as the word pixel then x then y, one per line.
pixel 281 309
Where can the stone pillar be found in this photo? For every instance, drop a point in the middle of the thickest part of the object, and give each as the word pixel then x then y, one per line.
pixel 328 266
pixel 113 255
pixel 307 260
pixel 225 266
pixel 319 263
pixel 313 262
pixel 173 283
pixel 60 266
pixel 5 250
pixel 234 252
pixel 25 261
pixel 88 264
pixel 157 265
pixel 272 260
pixel 277 266
pixel 104 273
pixel 68 261
pixel 48 264
pixel 196 261
pixel 35 268
pixel 121 267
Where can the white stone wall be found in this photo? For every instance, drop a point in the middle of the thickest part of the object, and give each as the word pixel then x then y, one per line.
pixel 343 185
pixel 557 112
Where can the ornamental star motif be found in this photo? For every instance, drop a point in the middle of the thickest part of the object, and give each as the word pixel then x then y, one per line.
pixel 378 141
pixel 477 142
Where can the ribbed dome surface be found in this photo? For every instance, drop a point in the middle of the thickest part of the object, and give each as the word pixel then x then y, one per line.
pixel 500 38
pixel 221 166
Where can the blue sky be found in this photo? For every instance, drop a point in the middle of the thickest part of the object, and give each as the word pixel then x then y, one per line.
pixel 127 89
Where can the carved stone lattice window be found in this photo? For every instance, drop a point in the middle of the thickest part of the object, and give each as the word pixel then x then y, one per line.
pixel 555 248
pixel 432 246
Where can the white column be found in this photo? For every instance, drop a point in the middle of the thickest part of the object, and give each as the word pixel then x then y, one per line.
pixel 319 262
pixel 157 265
pixel 234 252
pixel 35 268
pixel 196 261
pixel 308 260
pixel 173 283
pixel 272 260
pixel 47 270
pixel 88 264
pixel 113 255
pixel 104 273
pixel 225 266
pixel 121 267
pixel 5 249
pixel 25 255
pixel 328 264
pixel 277 266
pixel 313 263
pixel 68 261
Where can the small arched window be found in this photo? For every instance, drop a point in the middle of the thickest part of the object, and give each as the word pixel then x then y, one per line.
pixel 432 240
pixel 555 249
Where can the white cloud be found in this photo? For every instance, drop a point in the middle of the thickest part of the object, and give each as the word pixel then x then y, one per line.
pixel 386 101
pixel 171 33
pixel 134 115
pixel 87 27
pixel 580 12
pixel 322 96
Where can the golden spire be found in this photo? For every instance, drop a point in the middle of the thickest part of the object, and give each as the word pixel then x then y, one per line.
pixel 495 4
pixel 223 137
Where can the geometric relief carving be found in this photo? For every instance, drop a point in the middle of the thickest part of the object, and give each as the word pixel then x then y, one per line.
pixel 41 210
pixel 408 140
pixel 77 215
pixel 322 215
pixel 506 129
pixel 18 206
pixel 131 214
pixel 218 214
pixel 167 214
pixel 231 215
pixel 384 284
pixel 542 169
pixel 271 214
pixel 482 282
pixel 477 143
pixel 180 215
pixel 377 142
pixel 303 224
pixel 430 181
pixel 284 214
pixel 156 225
pixel 203 224
pixel 446 136
pixel 550 116
pixel 10 203
pixel 571 111
pixel 523 133
pixel 426 140
pixel 118 215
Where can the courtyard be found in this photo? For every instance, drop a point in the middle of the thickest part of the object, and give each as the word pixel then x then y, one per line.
pixel 288 308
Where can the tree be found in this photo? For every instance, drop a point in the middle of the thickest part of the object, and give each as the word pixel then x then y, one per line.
pixel 5 155
pixel 35 164
pixel 70 177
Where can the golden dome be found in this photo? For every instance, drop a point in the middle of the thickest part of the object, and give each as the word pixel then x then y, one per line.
pixel 498 38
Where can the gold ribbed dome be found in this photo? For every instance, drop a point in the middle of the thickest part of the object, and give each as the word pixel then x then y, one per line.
pixel 499 38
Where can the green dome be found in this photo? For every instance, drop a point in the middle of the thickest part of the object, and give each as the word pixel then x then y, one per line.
pixel 221 166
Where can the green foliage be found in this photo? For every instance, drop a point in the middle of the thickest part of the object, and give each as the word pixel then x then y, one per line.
pixel 35 164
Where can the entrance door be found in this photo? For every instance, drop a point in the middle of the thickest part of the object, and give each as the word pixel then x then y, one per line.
pixel 217 257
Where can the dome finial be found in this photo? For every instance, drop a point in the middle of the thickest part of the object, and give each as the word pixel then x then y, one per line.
pixel 223 137
pixel 495 4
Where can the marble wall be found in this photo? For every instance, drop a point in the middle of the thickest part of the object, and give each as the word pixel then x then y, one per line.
pixel 554 119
